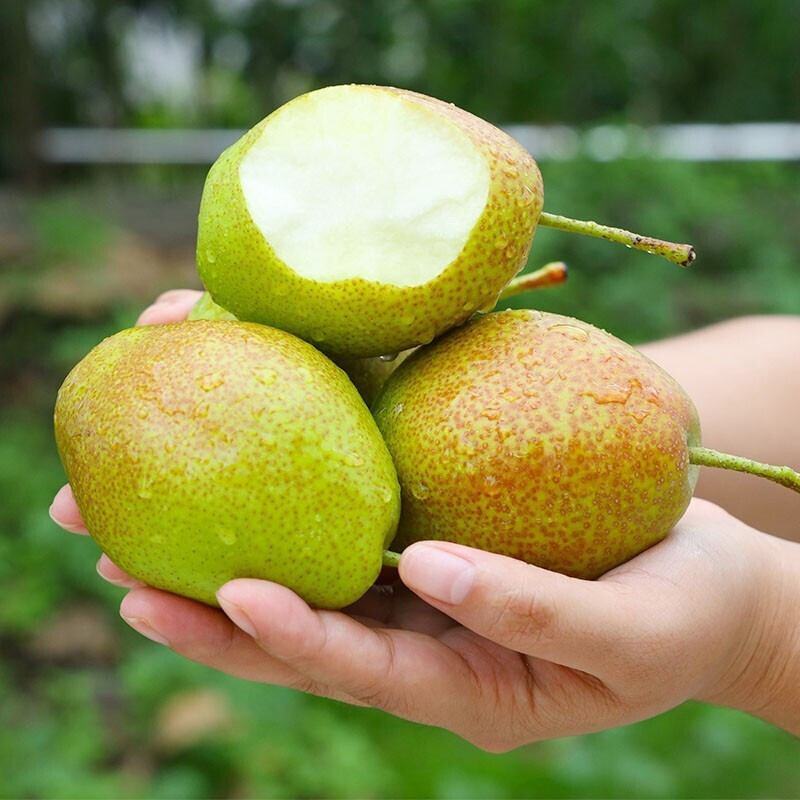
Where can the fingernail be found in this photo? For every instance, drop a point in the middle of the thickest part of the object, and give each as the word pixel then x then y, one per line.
pixel 143 627
pixel 69 527
pixel 437 573
pixel 125 583
pixel 236 614
pixel 78 530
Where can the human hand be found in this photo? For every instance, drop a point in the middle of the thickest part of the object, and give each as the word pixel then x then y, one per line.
pixel 504 653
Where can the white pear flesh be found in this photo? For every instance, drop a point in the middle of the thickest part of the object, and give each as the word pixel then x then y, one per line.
pixel 347 187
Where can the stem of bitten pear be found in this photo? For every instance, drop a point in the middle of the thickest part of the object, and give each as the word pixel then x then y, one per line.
pixel 681 254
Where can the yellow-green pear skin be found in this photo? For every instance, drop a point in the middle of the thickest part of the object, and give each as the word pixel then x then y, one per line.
pixel 358 317
pixel 203 451
pixel 539 437
pixel 367 374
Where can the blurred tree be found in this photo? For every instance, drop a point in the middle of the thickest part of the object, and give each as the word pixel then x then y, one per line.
pixel 20 110
pixel 228 62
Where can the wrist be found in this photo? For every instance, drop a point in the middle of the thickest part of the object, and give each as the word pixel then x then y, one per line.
pixel 762 676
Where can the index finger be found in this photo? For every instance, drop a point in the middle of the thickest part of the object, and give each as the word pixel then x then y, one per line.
pixel 408 674
pixel 64 511
pixel 171 306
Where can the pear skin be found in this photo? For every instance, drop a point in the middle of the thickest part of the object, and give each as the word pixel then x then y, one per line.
pixel 203 451
pixel 367 374
pixel 539 437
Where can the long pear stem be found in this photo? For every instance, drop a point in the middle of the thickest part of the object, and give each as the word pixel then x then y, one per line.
pixel 785 476
pixel 681 254
pixel 550 274
pixel 390 558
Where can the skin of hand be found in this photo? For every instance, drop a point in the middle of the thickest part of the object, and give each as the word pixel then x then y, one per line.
pixel 504 653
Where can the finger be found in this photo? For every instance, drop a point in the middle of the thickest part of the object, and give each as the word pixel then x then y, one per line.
pixel 406 673
pixel 110 572
pixel 575 623
pixel 64 511
pixel 172 306
pixel 205 635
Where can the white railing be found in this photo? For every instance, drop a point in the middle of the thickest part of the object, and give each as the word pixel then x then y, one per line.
pixel 754 141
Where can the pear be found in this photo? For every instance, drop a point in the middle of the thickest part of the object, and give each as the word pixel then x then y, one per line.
pixel 369 374
pixel 368 219
pixel 204 451
pixel 543 438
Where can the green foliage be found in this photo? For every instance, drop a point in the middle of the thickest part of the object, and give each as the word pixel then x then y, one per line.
pixel 65 227
pixel 739 217
pixel 508 60
pixel 92 721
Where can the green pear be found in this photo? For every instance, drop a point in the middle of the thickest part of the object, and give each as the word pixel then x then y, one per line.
pixel 204 451
pixel 366 219
pixel 543 438
pixel 369 374
pixel 369 219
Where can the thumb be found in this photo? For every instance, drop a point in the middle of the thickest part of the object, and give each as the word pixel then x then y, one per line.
pixel 525 608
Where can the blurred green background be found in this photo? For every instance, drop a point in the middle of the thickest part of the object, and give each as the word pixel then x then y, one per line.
pixel 88 708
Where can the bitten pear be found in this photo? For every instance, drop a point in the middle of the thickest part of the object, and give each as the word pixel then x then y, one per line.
pixel 543 438
pixel 369 220
pixel 204 451
pixel 366 219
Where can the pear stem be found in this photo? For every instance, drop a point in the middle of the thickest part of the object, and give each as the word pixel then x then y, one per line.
pixel 550 274
pixel 785 476
pixel 681 254
pixel 390 558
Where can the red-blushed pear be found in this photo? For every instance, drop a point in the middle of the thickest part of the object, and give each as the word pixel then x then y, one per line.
pixel 544 438
pixel 204 451
pixel 369 220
